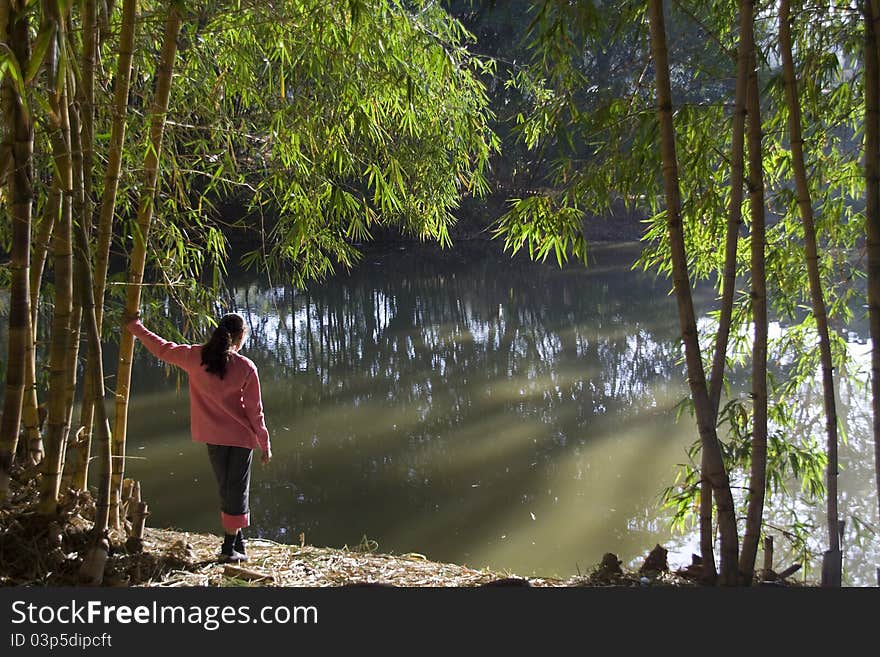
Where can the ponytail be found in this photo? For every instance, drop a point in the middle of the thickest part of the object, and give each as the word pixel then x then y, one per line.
pixel 217 350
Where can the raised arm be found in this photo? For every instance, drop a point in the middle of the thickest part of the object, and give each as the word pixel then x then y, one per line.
pixel 170 352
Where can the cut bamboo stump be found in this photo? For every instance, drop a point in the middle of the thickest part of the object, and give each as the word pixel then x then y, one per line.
pixel 127 488
pixel 135 542
pixel 139 519
pixel 767 573
pixel 832 568
pixel 138 510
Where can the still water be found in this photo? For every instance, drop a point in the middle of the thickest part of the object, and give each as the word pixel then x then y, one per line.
pixel 464 405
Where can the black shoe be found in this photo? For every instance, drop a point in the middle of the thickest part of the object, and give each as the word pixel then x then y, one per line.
pixel 238 545
pixel 231 556
pixel 228 551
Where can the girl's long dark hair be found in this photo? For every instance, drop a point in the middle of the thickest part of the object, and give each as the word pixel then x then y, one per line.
pixel 216 351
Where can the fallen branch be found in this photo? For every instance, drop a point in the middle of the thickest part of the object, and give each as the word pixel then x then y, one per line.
pixel 247 574
pixel 788 572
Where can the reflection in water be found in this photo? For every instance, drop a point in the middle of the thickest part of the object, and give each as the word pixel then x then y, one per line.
pixel 464 405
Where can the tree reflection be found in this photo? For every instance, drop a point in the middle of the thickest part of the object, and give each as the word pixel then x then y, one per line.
pixel 472 407
pixel 453 385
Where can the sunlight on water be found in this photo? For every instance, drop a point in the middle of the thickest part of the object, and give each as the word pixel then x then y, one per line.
pixel 466 406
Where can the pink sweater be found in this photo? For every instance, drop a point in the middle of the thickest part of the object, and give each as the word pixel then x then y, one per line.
pixel 227 411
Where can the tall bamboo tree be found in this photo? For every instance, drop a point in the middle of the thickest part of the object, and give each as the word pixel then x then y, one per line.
pixel 716 473
pixel 86 97
pixel 758 241
pixel 57 423
pixel 872 209
pixel 78 455
pixel 728 282
pixel 137 257
pixel 7 129
pixel 77 216
pixel 31 412
pixel 830 573
pixel 93 564
pixel 19 129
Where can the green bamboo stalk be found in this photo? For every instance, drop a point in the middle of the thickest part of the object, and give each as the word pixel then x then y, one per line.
pixel 15 30
pixel 805 207
pixel 58 417
pixel 758 467
pixel 872 211
pixel 716 473
pixel 137 259
pixel 79 455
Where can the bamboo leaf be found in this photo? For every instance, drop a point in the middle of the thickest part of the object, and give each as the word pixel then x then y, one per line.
pixel 40 48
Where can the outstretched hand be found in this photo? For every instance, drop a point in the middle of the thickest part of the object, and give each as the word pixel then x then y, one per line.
pixel 128 318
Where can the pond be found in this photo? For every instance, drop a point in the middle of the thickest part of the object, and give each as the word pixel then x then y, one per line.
pixel 465 405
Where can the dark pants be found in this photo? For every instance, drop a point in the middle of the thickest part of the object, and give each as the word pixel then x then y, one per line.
pixel 232 468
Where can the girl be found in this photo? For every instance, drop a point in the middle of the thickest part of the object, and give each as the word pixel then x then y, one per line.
pixel 226 412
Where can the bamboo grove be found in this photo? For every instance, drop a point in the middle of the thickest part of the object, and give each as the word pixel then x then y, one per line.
pixel 747 132
pixel 124 124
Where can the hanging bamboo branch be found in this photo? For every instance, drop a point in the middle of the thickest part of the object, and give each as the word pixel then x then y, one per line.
pixel 139 250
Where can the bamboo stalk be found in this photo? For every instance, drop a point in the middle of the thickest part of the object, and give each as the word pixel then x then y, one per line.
pixel 139 251
pixel 86 96
pixel 805 207
pixel 722 338
pixel 96 381
pixel 758 467
pixel 20 130
pixel 716 473
pixel 872 211
pixel 79 461
pixel 30 411
pixel 6 91
pixel 58 418
pixel 77 219
pixel 249 574
pixel 41 245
